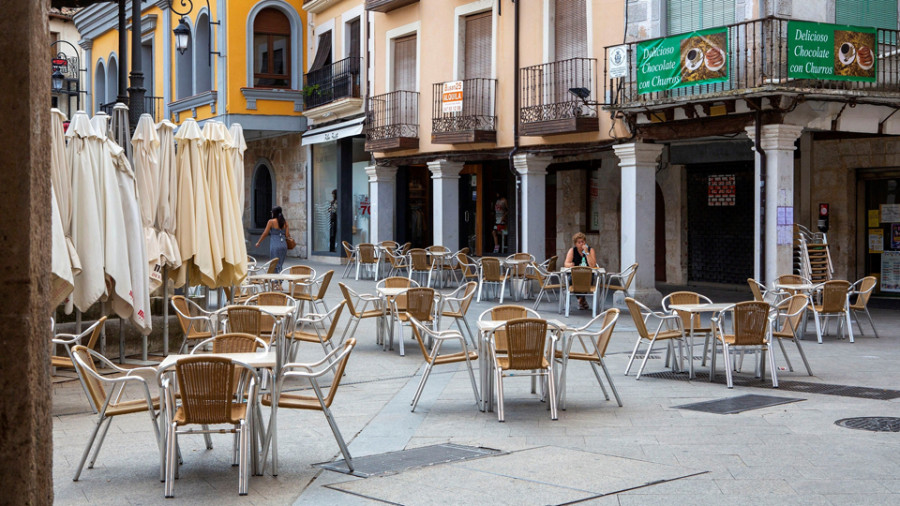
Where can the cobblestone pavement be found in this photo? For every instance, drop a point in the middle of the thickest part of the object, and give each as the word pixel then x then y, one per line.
pixel 646 452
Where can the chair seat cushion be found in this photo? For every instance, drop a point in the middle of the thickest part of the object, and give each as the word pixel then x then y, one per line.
pixel 57 361
pixel 668 334
pixel 783 334
pixel 503 363
pixel 371 313
pixel 455 357
pixel 729 338
pixel 307 337
pixel 294 401
pixel 133 406
pixel 199 335
pixel 590 357
pixel 238 413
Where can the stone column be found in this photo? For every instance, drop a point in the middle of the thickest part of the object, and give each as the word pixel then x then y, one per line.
pixel 638 162
pixel 382 199
pixel 533 171
pixel 86 80
pixel 445 175
pixel 778 143
pixel 26 436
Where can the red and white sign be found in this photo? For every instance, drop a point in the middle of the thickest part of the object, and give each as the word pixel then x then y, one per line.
pixel 721 190
pixel 452 97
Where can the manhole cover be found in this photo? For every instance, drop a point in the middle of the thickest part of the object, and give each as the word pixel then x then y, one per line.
pixel 871 423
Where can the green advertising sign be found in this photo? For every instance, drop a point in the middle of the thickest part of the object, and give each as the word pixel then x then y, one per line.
pixel 836 52
pixel 683 60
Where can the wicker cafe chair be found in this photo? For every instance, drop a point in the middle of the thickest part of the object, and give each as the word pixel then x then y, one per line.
pixel 106 392
pixel 314 292
pixel 549 264
pixel 835 302
pixel 668 328
pixel 398 302
pixel 434 357
pixel 397 262
pixel 206 385
pixel 686 321
pixel 419 265
pixel 491 273
pixel 547 281
pixel 389 245
pixel 503 314
pixel 789 323
pixel 862 290
pixel 366 257
pixel 580 282
pixel 67 341
pixel 352 257
pixel 593 349
pixel 196 323
pixel 317 333
pixel 234 342
pixel 793 279
pixel 268 325
pixel 358 305
pixel 618 282
pixel 763 294
pixel 525 351
pixel 456 305
pixel 337 360
pixel 421 304
pixel 751 326
pixel 468 268
pixel 294 288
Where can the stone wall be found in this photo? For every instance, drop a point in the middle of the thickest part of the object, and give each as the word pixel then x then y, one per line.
pixel 672 181
pixel 287 159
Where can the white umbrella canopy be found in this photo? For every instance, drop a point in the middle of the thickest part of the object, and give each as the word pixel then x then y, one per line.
pixel 137 306
pixel 238 146
pixel 89 283
pixel 146 171
pixel 167 195
pixel 224 201
pixel 61 177
pixel 62 281
pixel 198 236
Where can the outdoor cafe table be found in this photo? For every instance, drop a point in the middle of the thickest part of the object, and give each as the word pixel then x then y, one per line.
pixel 516 284
pixel 438 259
pixel 271 278
pixel 696 309
pixel 485 364
pixel 259 360
pixel 389 295
pixel 600 273
pixel 805 288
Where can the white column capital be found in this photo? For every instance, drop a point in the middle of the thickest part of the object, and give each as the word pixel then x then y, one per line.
pixel 531 165
pixel 638 154
pixel 445 169
pixel 379 174
pixel 780 137
pixel 162 4
pixel 86 44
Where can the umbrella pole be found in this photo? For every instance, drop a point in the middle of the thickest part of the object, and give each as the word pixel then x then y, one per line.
pixel 103 330
pixel 121 342
pixel 78 321
pixel 165 311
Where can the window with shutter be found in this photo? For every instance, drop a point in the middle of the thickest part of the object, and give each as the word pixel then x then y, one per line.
pixel 405 63
pixel 353 27
pixel 478 46
pixel 272 51
pixel 570 29
pixel 689 15
pixel 874 13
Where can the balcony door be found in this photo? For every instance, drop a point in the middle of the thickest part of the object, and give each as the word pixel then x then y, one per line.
pixel 400 107
pixel 570 40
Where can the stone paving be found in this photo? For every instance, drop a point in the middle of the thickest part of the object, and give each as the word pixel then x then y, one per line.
pixel 646 452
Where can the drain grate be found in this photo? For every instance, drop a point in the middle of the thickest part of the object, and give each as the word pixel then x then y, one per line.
pixel 871 423
pixel 732 405
pixel 382 464
pixel 880 394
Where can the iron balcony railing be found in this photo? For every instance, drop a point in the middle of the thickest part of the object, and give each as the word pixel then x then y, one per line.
pixel 393 115
pixel 757 61
pixel 478 111
pixel 152 106
pixel 546 94
pixel 332 82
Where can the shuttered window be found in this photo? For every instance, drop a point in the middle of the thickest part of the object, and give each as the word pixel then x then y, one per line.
pixel 570 29
pixel 874 13
pixel 688 15
pixel 478 46
pixel 405 63
pixel 353 27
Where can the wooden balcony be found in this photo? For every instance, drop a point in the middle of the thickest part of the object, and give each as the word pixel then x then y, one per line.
pixel 393 122
pixel 472 120
pixel 387 5
pixel 548 107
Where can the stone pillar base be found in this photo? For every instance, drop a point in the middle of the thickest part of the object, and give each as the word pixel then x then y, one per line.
pixel 650 297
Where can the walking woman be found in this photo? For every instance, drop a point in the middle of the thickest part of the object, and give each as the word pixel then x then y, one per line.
pixel 277 227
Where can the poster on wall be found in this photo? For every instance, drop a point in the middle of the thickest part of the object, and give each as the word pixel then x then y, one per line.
pixel 890 213
pixel 876 240
pixel 683 60
pixel 874 218
pixel 890 271
pixel 834 52
pixel 895 236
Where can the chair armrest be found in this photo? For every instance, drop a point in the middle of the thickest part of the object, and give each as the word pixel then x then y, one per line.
pixel 66 339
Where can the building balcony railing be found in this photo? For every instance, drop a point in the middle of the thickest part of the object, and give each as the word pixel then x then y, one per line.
pixel 757 64
pixel 392 121
pixel 152 106
pixel 387 5
pixel 548 107
pixel 333 82
pixel 472 119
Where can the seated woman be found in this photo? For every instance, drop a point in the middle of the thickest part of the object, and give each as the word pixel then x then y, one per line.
pixel 580 254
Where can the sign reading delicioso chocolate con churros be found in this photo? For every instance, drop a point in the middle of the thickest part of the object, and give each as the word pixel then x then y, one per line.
pixel 834 52
pixel 699 57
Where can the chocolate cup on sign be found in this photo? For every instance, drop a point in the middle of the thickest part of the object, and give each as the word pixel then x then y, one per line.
pixel 693 59
pixel 715 59
pixel 847 53
pixel 864 58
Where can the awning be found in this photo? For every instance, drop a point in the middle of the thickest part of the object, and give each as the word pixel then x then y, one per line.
pixel 334 132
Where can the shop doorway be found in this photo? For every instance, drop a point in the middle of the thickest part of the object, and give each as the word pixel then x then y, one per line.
pixel 414 192
pixel 881 233
pixel 720 222
pixel 470 216
pixel 499 199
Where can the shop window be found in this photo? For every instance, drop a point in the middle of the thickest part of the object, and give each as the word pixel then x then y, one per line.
pixel 262 191
pixel 271 49
pixel 325 197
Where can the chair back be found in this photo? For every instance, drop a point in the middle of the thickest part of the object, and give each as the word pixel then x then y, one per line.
pixel 341 358
pixel 398 282
pixel 508 312
pixel 244 320
pixel 437 249
pixel 183 310
pixel 794 309
pixel 417 329
pixel 336 315
pixel 628 276
pixel 348 249
pixel 525 343
pixel 611 316
pixel 551 264
pixel 366 253
pixel 467 297
pixel 751 323
pixel 634 307
pixel 272 299
pixel 396 260
pixel 684 298
pixel 84 365
pixel 792 279
pixel 420 303
pixel 468 266
pixel 418 259
pixel 301 269
pixel 206 385
pixel 756 288
pixel 404 248
pixel 834 295
pixel 389 245
pixel 236 342
pixel 490 269
pixel 348 298
pixel 324 281
pixel 581 280
pixel 273 266
pixel 865 287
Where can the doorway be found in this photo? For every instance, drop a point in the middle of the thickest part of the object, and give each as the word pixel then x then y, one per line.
pixel 470 216
pixel 882 232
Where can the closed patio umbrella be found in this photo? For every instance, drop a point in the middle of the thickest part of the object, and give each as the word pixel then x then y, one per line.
pixel 85 232
pixel 224 202
pixel 238 146
pixel 61 279
pixel 61 177
pixel 167 195
pixel 146 172
pixel 119 128
pixel 196 231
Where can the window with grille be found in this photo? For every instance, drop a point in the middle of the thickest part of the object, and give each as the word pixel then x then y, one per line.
pixel 689 15
pixel 271 49
pixel 478 46
pixel 874 13
pixel 570 29
pixel 405 63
